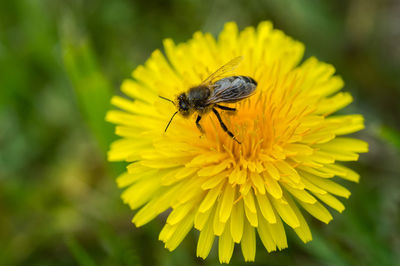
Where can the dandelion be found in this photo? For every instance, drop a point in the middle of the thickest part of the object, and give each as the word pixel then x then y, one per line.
pixel 288 160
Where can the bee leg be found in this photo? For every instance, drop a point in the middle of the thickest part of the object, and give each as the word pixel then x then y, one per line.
pixel 222 124
pixel 225 108
pixel 198 124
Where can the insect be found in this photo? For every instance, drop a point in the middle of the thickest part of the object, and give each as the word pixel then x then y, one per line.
pixel 211 92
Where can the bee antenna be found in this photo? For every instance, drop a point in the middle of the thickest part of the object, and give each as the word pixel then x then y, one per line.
pixel 170 121
pixel 166 99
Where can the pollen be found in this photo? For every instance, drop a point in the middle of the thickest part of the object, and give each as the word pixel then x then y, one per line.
pixel 291 153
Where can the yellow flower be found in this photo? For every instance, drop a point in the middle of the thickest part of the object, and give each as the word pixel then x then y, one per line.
pixel 287 160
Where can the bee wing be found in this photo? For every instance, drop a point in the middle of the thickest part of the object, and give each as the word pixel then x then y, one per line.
pixel 230 92
pixel 228 67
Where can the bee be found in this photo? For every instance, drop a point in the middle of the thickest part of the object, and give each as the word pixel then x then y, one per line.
pixel 214 90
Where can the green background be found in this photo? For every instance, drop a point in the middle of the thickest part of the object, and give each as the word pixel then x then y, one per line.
pixel 60 61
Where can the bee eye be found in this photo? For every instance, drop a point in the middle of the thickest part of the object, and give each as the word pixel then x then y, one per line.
pixel 183 106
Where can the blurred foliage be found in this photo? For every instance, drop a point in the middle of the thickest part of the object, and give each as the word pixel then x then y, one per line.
pixel 61 60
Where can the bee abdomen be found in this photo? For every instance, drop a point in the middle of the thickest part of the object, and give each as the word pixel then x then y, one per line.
pixel 249 80
pixel 244 79
pixel 232 89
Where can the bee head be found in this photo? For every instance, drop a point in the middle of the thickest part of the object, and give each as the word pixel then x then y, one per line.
pixel 183 105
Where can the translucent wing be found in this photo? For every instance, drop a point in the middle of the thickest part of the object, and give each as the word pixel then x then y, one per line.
pixel 232 89
pixel 228 67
